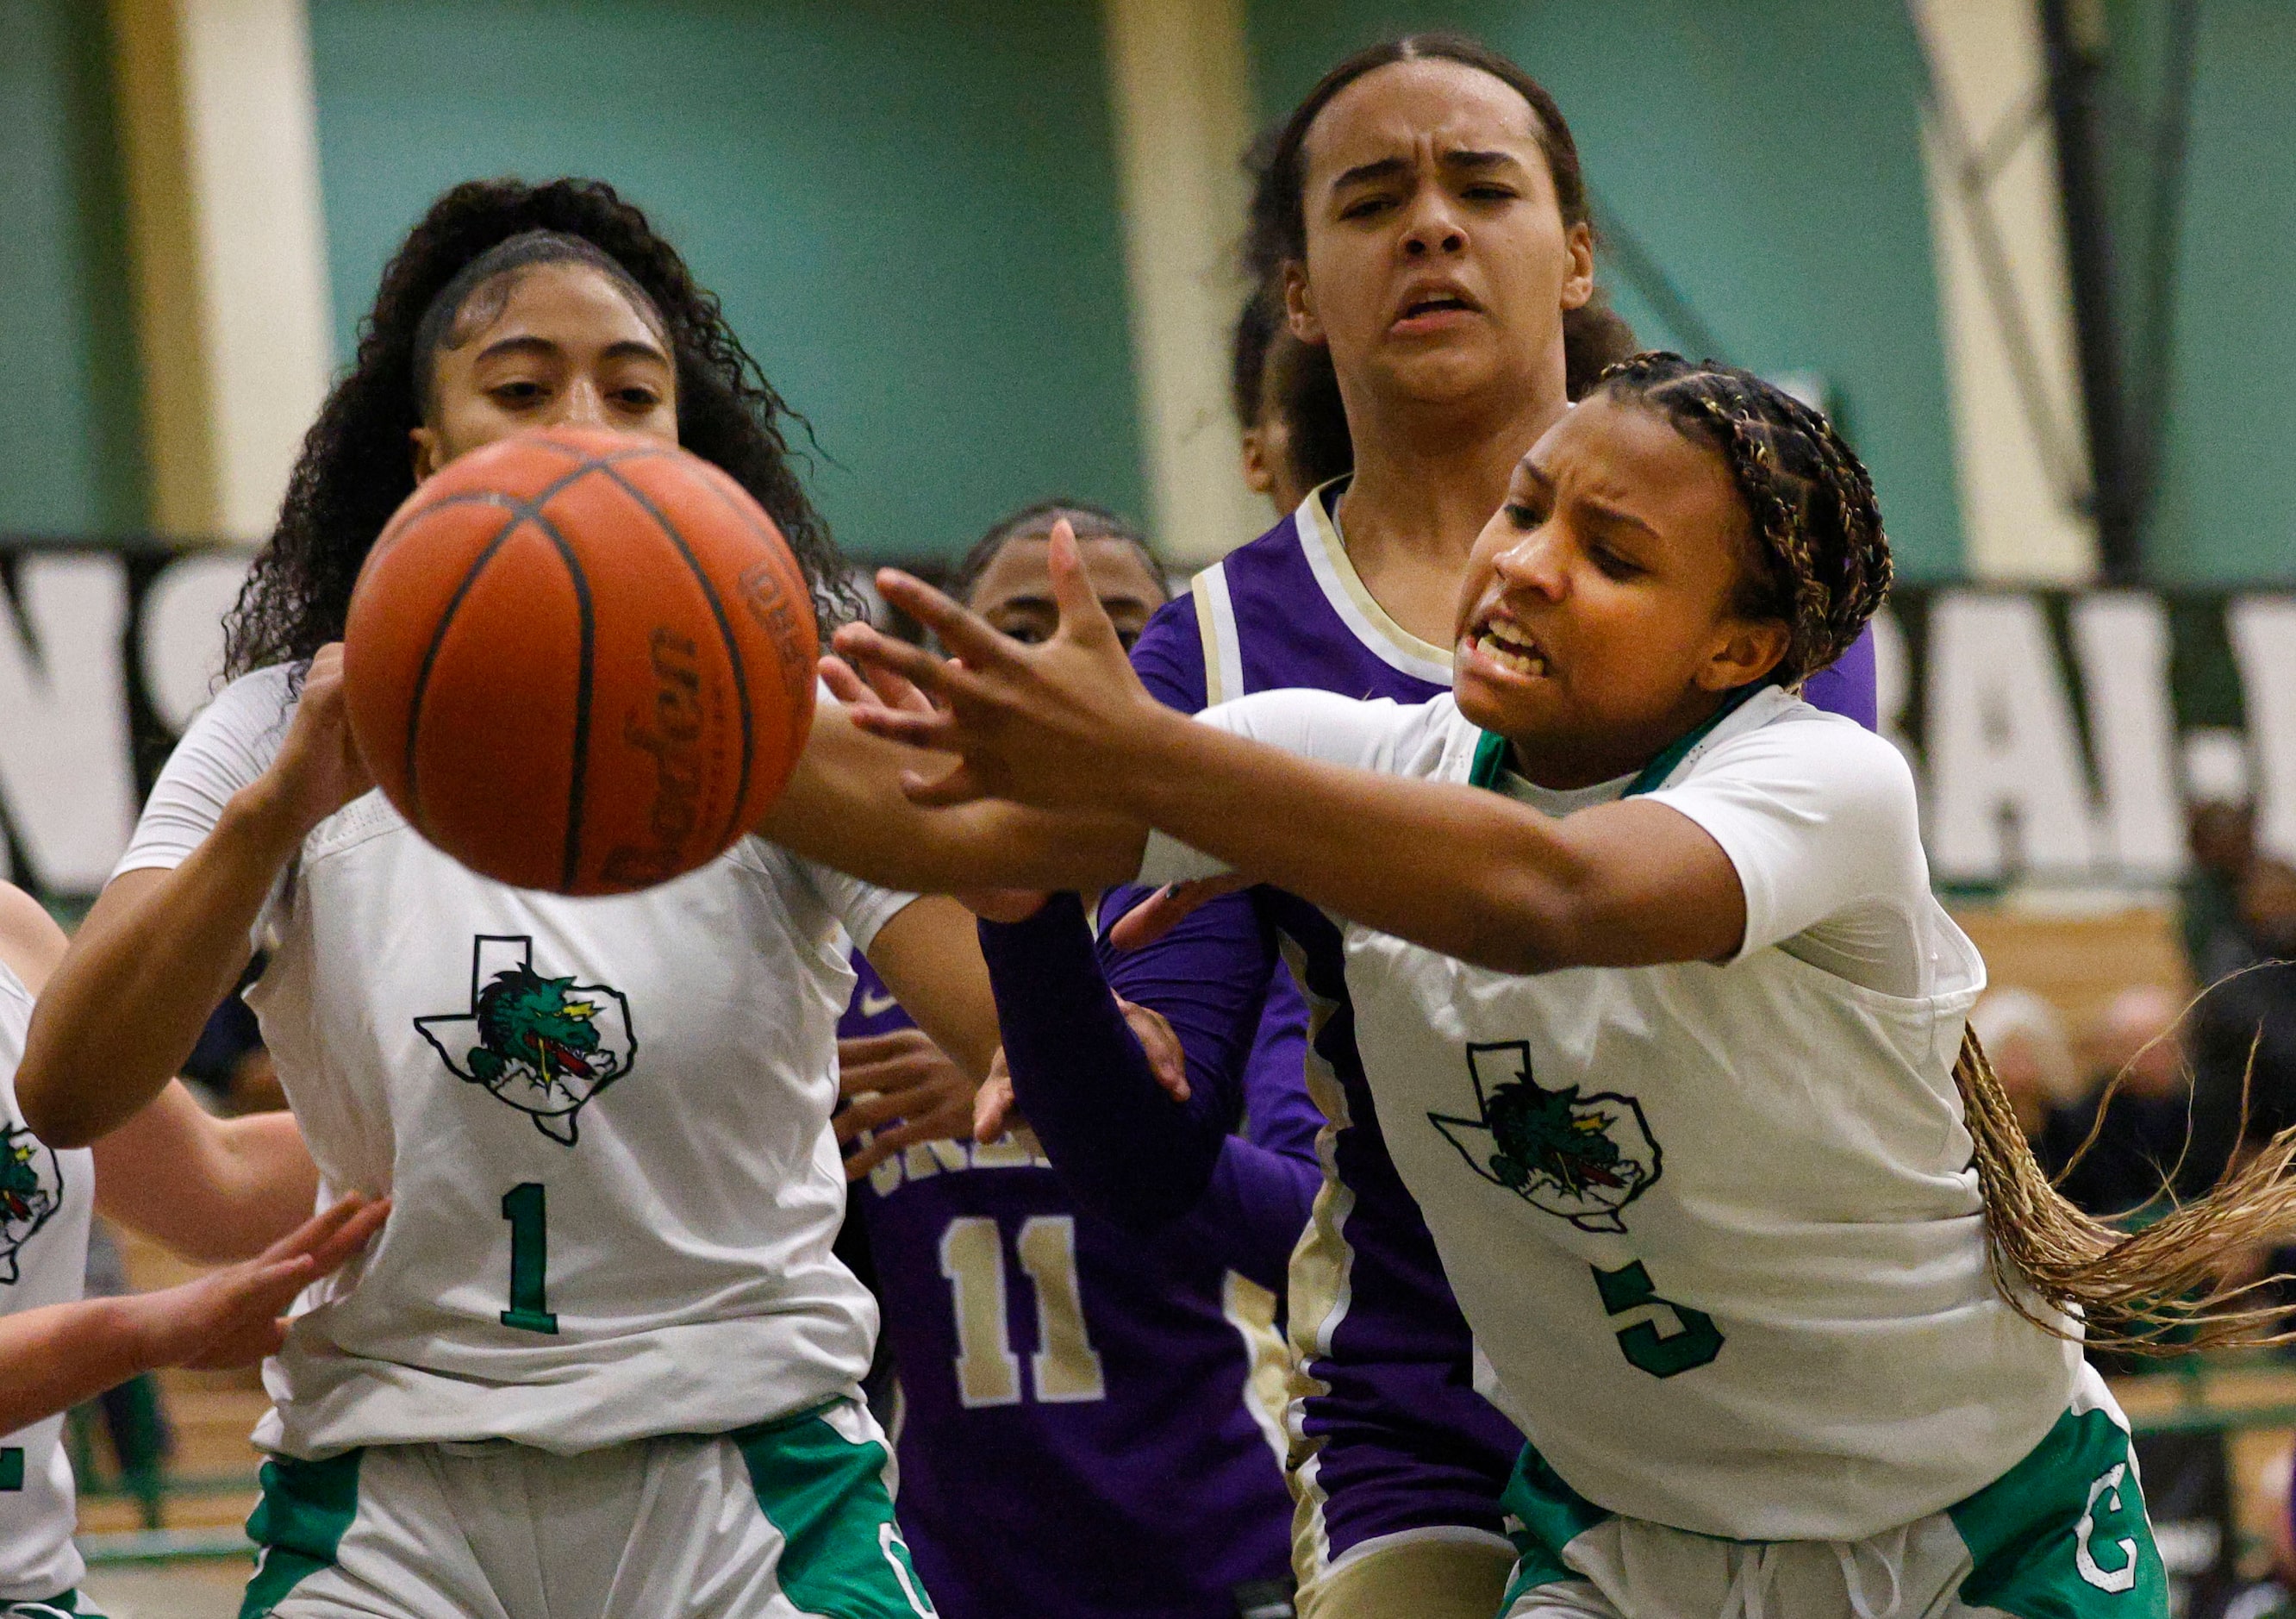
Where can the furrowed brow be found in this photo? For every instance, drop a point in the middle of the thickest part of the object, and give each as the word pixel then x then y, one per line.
pixel 1364 174
pixel 1477 162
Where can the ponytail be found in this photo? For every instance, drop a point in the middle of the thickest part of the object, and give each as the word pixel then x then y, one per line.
pixel 2161 1291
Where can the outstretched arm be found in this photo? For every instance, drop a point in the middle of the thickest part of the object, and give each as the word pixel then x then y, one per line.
pixel 1065 724
pixel 55 1358
pixel 845 806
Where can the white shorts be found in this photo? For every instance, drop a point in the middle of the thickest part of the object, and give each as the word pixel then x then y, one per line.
pixel 787 1518
pixel 2061 1535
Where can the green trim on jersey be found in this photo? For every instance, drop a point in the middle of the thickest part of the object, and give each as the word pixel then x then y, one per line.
pixel 45 1607
pixel 1491 749
pixel 2064 1532
pixel 844 1555
pixel 300 1523
pixel 1552 1515
pixel 2061 1535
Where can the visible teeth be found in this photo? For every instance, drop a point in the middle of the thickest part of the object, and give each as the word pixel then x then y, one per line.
pixel 1506 658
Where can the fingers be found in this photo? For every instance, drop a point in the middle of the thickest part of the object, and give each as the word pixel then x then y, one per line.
pixel 1082 617
pixel 1167 1059
pixel 1165 908
pixel 351 1238
pixel 871 650
pixel 992 1105
pixel 859 1050
pixel 316 1230
pixel 899 1139
pixel 843 684
pixel 964 633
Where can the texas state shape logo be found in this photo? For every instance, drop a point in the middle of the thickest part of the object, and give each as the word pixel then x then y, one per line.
pixel 1581 1158
pixel 31 1190
pixel 543 1045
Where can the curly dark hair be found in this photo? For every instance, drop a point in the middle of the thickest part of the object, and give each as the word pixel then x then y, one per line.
pixel 1821 561
pixel 357 464
pixel 1594 336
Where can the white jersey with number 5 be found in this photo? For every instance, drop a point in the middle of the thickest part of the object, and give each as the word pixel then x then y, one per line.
pixel 1714 1224
pixel 604 1123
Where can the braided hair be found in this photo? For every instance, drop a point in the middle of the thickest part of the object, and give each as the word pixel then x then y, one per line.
pixel 357 464
pixel 1821 561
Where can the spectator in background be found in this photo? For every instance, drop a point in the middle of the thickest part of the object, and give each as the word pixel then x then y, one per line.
pixel 2222 836
pixel 2138 1078
pixel 2244 1025
pixel 2026 1040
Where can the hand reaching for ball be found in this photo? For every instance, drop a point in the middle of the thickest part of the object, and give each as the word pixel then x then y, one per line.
pixel 318 768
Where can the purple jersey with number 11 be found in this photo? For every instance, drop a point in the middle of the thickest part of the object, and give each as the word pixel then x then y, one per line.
pixel 1090 1421
pixel 1393 1442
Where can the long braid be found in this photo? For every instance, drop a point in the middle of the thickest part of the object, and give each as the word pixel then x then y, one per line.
pixel 1822 569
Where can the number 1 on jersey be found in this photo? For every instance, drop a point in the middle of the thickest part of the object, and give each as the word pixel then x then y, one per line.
pixel 12 1468
pixel 529 1258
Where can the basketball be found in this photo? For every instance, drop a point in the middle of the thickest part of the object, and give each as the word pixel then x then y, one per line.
pixel 580 661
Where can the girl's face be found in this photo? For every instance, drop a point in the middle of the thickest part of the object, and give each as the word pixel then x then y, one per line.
pixel 1438 265
pixel 561 346
pixel 1015 593
pixel 1596 622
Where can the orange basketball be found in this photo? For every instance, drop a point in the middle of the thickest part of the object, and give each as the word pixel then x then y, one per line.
pixel 580 661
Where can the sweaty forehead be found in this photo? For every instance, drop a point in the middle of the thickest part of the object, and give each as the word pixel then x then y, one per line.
pixel 1629 456
pixel 1022 567
pixel 1391 109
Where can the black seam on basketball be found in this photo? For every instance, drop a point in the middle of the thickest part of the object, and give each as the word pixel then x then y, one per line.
pixel 519 511
pixel 726 634
pixel 571 859
pixel 438 639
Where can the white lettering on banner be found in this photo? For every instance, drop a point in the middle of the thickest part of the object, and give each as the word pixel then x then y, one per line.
pixel 2007 788
pixel 2121 638
pixel 2262 629
pixel 181 621
pixel 65 768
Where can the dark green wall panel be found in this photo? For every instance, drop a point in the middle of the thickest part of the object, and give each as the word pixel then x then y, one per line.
pixel 2227 500
pixel 72 463
pixel 908 209
pixel 1767 157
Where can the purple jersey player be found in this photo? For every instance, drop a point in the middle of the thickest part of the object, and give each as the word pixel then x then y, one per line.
pixel 1452 290
pixel 1090 1420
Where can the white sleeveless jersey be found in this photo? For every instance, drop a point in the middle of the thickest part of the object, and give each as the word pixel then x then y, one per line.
pixel 1714 1225
pixel 604 1124
pixel 45 1200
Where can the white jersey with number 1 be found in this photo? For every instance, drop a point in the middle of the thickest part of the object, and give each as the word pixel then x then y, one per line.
pixel 604 1123
pixel 45 1200
pixel 1714 1224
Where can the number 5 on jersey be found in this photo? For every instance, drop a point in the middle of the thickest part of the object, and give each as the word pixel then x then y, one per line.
pixel 1065 1367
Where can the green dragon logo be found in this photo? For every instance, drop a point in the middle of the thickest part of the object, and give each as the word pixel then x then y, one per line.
pixel 1581 1158
pixel 31 1190
pixel 544 1046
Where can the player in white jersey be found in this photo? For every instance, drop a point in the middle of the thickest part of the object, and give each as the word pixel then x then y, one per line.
pixel 1668 1033
pixel 602 1360
pixel 211 1188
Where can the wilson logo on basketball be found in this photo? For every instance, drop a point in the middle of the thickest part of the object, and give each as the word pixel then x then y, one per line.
pixel 672 735
pixel 769 606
